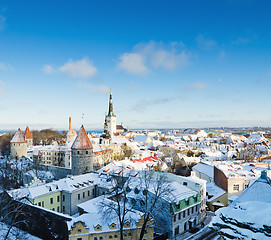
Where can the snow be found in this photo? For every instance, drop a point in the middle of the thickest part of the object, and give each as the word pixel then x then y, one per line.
pixel 18 137
pixel 213 190
pixel 68 184
pixel 260 190
pixel 95 216
pixel 205 168
pixel 15 233
pixel 191 159
pixel 246 220
pixel 82 140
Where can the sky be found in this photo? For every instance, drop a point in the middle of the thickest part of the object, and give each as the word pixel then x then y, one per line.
pixel 170 64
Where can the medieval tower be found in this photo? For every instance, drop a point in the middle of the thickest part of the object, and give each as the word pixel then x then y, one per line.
pixel 110 119
pixel 18 145
pixel 82 153
pixel 28 137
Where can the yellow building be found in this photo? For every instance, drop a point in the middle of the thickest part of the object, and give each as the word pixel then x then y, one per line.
pixel 216 197
pixel 81 231
pixel 51 201
pixel 92 225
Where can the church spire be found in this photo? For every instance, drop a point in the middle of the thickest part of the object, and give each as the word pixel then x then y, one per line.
pixel 110 112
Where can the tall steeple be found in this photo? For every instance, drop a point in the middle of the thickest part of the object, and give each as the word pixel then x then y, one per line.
pixel 110 112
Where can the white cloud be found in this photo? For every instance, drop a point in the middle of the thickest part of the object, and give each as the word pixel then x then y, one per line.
pixel 82 68
pixel 241 40
pixel 133 63
pixel 205 43
pixel 196 86
pixel 95 89
pixel 5 67
pixel 78 69
pixel 146 56
pixel 48 69
pixel 169 60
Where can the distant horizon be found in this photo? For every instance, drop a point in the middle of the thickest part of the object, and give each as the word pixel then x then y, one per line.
pixel 140 129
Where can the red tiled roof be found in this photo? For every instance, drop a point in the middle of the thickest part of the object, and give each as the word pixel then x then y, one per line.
pixel 27 133
pixel 82 140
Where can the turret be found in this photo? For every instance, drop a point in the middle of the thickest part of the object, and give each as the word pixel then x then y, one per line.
pixel 82 153
pixel 28 136
pixel 18 145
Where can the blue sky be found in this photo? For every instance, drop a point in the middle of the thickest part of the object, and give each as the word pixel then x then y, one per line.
pixel 170 64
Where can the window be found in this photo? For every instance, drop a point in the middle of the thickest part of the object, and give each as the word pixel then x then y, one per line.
pixel 93 191
pixel 89 193
pixel 42 203
pixel 53 209
pixel 179 216
pixel 183 214
pixel 39 203
pixel 197 208
pixel 174 219
pixel 63 209
pixel 63 198
pixel 78 196
pixel 51 200
pixel 110 236
pixel 58 198
pixel 86 152
pixel 246 185
pixel 188 211
pixel 115 236
pixel 83 194
pixel 176 231
pixel 236 187
pixel 129 234
pixel 185 183
pixel 58 209
pixel 101 238
pixel 185 226
pixel 79 230
pixel 79 238
pixel 192 210
pixel 95 238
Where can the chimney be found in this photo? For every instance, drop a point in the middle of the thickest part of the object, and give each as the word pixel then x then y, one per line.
pixel 70 123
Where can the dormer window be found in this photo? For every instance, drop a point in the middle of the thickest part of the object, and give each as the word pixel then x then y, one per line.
pixel 113 226
pixel 98 228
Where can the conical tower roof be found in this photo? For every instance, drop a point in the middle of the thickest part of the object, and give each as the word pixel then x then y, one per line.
pixel 18 137
pixel 82 141
pixel 27 133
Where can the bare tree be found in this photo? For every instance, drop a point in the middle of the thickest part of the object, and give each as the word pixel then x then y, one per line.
pixel 118 208
pixel 155 198
pixel 148 192
pixel 13 214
